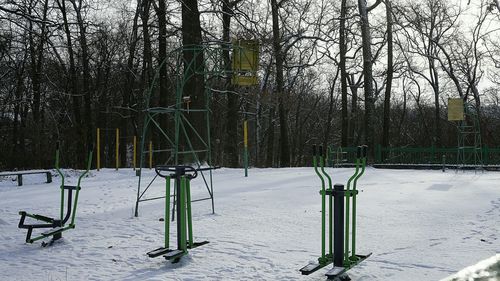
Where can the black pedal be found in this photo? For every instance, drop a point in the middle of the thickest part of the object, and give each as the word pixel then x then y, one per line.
pixel 197 244
pixel 174 255
pixel 53 231
pixel 158 252
pixel 311 268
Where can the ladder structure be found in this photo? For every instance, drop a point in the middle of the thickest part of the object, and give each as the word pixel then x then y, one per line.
pixel 183 128
pixel 469 149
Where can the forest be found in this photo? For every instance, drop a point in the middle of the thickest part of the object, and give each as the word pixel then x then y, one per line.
pixel 332 73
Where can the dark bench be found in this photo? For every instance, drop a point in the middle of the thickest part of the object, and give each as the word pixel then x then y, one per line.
pixel 20 174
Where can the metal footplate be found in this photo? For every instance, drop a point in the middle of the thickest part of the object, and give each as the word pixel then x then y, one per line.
pixel 174 255
pixel 313 267
pixel 197 244
pixel 167 252
pixel 158 252
pixel 338 271
pixel 53 231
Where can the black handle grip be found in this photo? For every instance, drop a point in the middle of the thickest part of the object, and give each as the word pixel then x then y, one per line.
pixel 364 150
pixel 57 145
pixel 208 168
pixel 320 152
pixel 181 169
pixel 314 150
pixel 359 151
pixel 91 147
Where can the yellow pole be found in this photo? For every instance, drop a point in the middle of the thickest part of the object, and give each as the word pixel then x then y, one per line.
pixel 135 150
pixel 150 154
pixel 98 149
pixel 245 133
pixel 245 142
pixel 117 148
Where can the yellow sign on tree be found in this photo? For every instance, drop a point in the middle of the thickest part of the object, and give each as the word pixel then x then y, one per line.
pixel 455 109
pixel 245 62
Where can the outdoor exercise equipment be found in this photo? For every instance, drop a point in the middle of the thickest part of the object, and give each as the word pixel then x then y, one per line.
pixel 341 234
pixel 58 226
pixel 182 129
pixel 324 259
pixel 182 176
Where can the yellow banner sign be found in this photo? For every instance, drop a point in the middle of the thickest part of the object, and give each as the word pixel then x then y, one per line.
pixel 245 62
pixel 455 109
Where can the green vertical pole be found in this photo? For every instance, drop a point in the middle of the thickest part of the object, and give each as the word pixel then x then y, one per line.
pixel 182 215
pixel 189 218
pixel 245 142
pixel 323 212
pixel 167 211
pixel 378 153
pixel 347 207
pixel 330 211
pixel 433 153
pixel 209 143
pixel 486 156
pixel 89 162
pixel 363 165
pixel 62 181
pixel 322 192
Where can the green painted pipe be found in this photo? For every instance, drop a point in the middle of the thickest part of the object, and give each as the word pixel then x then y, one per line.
pixel 167 211
pixel 182 215
pixel 89 163
pixel 189 218
pixel 42 236
pixel 363 165
pixel 315 164
pixel 62 181
pixel 347 213
pixel 330 211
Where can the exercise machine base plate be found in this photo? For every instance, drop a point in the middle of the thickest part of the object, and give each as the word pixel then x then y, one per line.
pixel 337 272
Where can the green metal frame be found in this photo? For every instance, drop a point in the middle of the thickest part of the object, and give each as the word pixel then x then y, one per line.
pixel 349 261
pixel 167 212
pixel 213 70
pixel 319 169
pixel 71 225
pixel 421 155
pixel 185 237
pixel 469 148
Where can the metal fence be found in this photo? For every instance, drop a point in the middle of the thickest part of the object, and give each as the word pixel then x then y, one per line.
pixel 415 155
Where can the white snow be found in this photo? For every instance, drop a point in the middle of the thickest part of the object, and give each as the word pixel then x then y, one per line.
pixel 486 270
pixel 420 225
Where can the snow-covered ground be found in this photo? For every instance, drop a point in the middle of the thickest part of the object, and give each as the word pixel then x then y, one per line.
pixel 486 270
pixel 420 225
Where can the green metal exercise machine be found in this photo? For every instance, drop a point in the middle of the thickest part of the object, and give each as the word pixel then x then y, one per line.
pixel 343 235
pixel 325 258
pixel 58 226
pixel 182 203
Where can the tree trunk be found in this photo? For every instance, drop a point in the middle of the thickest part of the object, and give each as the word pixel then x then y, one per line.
pixel 231 143
pixel 147 67
pixel 270 139
pixel 73 87
pixel 343 74
pixel 86 76
pixel 195 85
pixel 390 74
pixel 284 142
pixel 368 132
pixel 129 82
pixel 36 69
pixel 326 140
pixel 163 100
